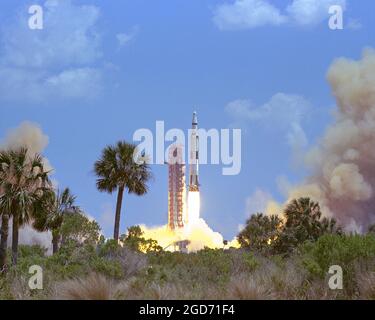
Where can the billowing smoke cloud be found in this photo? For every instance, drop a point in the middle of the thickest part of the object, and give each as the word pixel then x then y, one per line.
pixel 29 236
pixel 26 134
pixel 342 164
pixel 199 234
pixel 29 135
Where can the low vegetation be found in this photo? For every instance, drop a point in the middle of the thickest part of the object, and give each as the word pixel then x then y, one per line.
pixel 110 271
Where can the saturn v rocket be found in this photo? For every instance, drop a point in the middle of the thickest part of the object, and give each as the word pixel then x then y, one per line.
pixel 194 155
pixel 183 209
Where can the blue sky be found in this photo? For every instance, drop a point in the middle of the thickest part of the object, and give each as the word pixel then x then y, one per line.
pixel 99 70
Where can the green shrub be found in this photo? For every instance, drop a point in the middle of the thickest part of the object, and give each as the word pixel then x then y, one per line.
pixel 351 252
pixel 205 266
pixel 109 268
pixel 251 263
pixel 108 247
pixel 337 250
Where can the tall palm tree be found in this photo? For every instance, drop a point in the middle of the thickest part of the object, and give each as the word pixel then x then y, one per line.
pixel 117 170
pixel 6 208
pixel 23 181
pixel 56 205
pixel 4 240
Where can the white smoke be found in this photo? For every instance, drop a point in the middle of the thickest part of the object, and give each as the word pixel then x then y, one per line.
pixel 29 236
pixel 199 234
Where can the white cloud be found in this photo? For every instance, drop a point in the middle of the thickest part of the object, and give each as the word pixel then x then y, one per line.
pixel 248 14
pixel 68 38
pixel 58 61
pixel 354 24
pixel 41 85
pixel 296 136
pixel 283 112
pixel 125 38
pixel 311 12
pixel 75 83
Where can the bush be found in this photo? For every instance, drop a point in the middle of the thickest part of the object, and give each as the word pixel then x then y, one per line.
pixel 131 262
pixel 195 269
pixel 351 252
pixel 250 261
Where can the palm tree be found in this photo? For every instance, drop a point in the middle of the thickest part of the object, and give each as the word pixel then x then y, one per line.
pixel 303 222
pixel 260 231
pixel 4 240
pixel 303 216
pixel 6 208
pixel 117 170
pixel 56 205
pixel 23 181
pixel 329 225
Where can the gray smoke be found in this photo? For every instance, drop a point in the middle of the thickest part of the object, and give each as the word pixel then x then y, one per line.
pixel 343 163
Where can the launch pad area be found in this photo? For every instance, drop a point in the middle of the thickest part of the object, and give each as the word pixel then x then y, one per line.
pixel 181 212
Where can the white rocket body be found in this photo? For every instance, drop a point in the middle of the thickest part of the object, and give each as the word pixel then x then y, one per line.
pixel 194 156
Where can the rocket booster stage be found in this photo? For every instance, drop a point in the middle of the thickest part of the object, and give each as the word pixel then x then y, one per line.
pixel 194 155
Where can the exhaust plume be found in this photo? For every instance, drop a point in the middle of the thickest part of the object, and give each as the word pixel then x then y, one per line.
pixel 199 234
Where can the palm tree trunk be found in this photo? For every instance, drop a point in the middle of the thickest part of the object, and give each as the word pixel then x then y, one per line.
pixel 4 241
pixel 118 213
pixel 15 238
pixel 55 242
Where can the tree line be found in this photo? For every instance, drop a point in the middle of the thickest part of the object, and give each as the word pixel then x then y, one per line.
pixel 301 221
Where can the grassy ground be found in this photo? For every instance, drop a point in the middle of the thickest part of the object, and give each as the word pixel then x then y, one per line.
pixel 106 272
